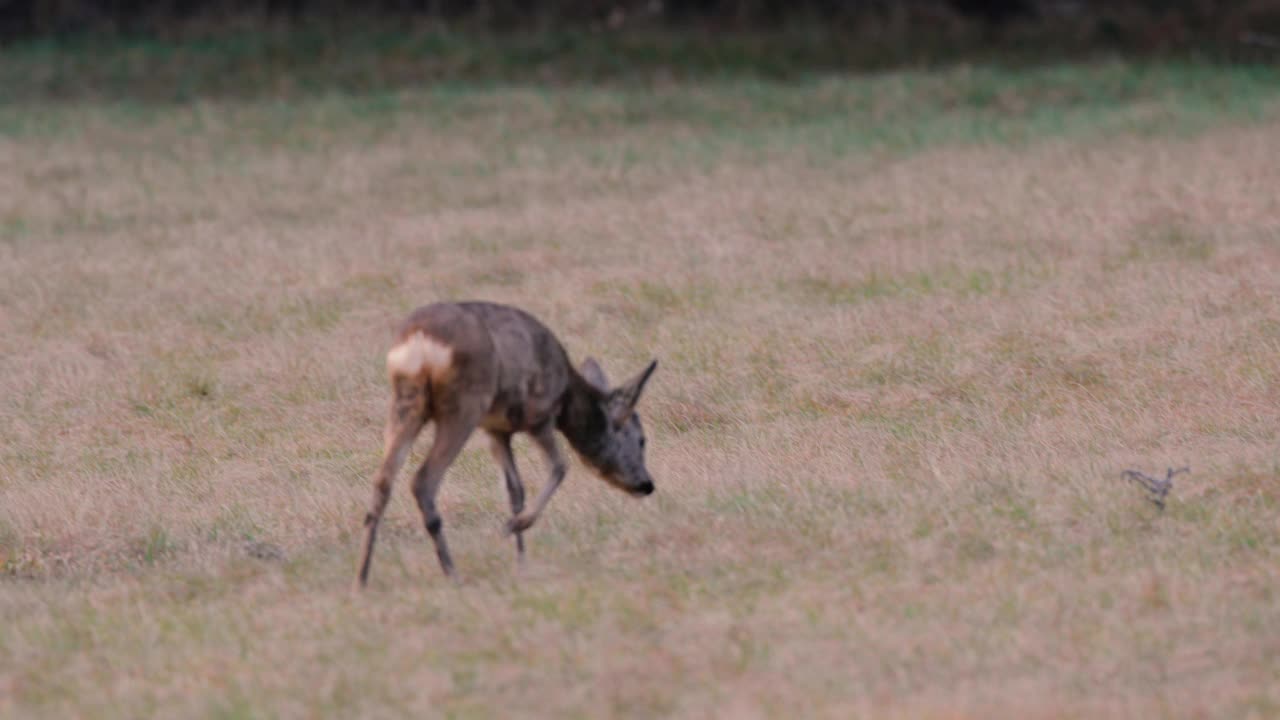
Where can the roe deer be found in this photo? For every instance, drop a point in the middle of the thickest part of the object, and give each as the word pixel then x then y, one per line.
pixel 481 365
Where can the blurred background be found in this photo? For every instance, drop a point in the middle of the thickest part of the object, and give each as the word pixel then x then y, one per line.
pixel 1140 24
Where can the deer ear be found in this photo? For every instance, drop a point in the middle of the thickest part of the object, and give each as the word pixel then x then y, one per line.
pixel 594 374
pixel 628 395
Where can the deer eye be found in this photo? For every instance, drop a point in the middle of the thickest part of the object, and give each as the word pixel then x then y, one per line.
pixel 642 442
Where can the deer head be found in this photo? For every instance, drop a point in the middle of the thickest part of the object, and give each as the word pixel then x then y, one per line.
pixel 610 436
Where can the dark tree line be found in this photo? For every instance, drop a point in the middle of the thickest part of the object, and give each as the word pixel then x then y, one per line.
pixel 20 18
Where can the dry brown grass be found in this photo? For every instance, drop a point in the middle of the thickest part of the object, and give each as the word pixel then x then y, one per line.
pixel 896 395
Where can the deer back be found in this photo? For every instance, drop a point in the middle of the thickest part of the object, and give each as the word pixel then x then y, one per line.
pixel 478 349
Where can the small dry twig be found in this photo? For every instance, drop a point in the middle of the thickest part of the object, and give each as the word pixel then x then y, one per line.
pixel 1158 488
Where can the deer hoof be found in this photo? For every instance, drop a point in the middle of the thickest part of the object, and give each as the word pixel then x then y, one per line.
pixel 519 523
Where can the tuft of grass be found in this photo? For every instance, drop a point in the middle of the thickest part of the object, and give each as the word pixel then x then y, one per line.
pixel 154 547
pixel 1178 241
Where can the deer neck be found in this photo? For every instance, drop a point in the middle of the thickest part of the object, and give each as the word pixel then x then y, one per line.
pixel 582 421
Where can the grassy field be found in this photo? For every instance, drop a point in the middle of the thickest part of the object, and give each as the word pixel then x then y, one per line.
pixel 913 324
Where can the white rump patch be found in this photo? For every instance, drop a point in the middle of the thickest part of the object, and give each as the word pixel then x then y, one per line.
pixel 418 352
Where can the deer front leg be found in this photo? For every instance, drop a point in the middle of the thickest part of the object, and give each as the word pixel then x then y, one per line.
pixel 403 426
pixel 500 446
pixel 546 440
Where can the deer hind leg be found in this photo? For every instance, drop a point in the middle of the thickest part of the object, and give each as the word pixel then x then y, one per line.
pixel 406 419
pixel 453 427
pixel 500 446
